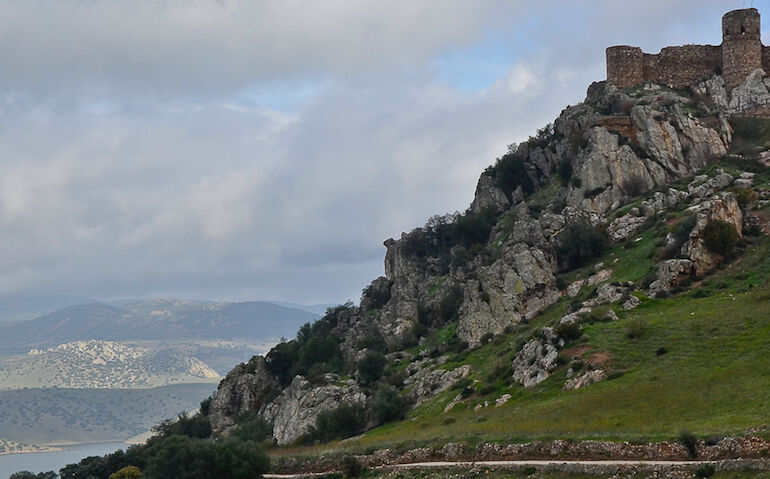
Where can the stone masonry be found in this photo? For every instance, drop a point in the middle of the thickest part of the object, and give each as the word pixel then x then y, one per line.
pixel 740 53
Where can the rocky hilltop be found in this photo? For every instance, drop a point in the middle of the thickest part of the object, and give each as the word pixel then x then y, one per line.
pixel 600 175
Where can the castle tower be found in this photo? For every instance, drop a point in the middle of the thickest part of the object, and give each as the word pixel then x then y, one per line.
pixel 741 45
pixel 625 66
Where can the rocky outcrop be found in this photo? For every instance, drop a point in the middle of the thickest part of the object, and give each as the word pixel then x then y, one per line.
pixel 247 387
pixel 433 382
pixel 517 286
pixel 723 207
pixel 670 273
pixel 534 363
pixel 586 379
pixel 488 195
pixel 295 410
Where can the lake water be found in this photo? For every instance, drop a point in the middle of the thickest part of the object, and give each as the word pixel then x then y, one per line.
pixel 55 460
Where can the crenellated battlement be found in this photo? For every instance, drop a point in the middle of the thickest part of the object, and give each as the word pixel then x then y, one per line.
pixel 740 53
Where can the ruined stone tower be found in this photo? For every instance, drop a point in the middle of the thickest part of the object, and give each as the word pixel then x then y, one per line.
pixel 741 45
pixel 741 53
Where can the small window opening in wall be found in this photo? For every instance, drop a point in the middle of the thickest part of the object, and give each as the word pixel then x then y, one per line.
pixel 743 30
pixel 727 33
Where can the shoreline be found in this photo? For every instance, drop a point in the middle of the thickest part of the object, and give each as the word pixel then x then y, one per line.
pixel 62 446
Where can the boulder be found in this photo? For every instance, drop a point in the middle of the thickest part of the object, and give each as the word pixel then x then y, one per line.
pixel 586 379
pixel 670 273
pixel 534 363
pixel 247 387
pixel 295 410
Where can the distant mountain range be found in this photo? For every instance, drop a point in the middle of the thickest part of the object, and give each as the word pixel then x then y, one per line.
pixel 153 320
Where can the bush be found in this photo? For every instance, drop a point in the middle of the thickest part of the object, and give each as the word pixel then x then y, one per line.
pixel 745 197
pixel 510 172
pixel 196 426
pixel 720 237
pixel 252 427
pixel 128 472
pixel 635 328
pixel 387 404
pixel 370 368
pixel 351 467
pixel 340 423
pixel 564 170
pixel 449 307
pixel 661 351
pixel 579 243
pixel 568 331
pixel 690 442
pixel 376 295
pixel 706 470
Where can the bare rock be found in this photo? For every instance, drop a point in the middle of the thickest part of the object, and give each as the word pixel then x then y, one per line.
pixel 722 207
pixel 586 379
pixel 625 226
pixel 534 363
pixel 295 410
pixel 489 195
pixel 436 381
pixel 670 273
pixel 245 388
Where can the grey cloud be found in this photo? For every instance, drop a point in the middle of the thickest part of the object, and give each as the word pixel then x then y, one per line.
pixel 125 193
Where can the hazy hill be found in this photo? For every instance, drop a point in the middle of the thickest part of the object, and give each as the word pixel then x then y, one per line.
pixel 156 319
pixel 21 308
pixel 101 364
pixel 56 415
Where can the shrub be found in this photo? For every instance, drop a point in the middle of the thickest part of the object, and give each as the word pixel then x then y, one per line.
pixel 387 404
pixel 196 426
pixel 351 467
pixel 568 331
pixel 706 470
pixel 661 351
pixel 579 243
pixel 720 237
pixel 376 295
pixel 340 423
pixel 635 328
pixel 690 442
pixel 449 420
pixel 252 427
pixel 564 170
pixel 634 186
pixel 745 197
pixel 370 367
pixel 510 172
pixel 128 472
pixel 449 307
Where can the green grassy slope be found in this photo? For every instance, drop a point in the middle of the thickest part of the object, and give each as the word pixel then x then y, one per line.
pixel 701 364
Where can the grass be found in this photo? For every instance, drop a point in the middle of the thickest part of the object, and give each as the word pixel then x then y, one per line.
pixel 489 473
pixel 711 379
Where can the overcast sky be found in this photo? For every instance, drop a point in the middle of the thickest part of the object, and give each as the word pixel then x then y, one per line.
pixel 241 149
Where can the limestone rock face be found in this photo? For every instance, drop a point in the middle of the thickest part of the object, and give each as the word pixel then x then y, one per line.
pixel 245 388
pixel 489 195
pixel 518 285
pixel 670 273
pixel 534 363
pixel 434 381
pixel 723 207
pixel 295 410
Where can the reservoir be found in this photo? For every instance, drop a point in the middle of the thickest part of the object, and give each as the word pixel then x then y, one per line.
pixel 55 460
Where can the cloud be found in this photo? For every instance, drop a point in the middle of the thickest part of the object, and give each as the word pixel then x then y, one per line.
pixel 242 150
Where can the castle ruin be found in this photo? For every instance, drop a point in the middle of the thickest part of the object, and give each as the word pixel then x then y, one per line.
pixel 741 53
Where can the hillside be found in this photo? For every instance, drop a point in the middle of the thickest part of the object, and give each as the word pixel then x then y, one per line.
pixel 59 416
pixel 158 319
pixel 101 364
pixel 608 281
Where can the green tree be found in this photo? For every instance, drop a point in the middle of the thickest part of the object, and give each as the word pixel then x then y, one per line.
pixel 128 472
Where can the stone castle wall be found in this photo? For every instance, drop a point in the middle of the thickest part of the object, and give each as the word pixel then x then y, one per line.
pixel 741 53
